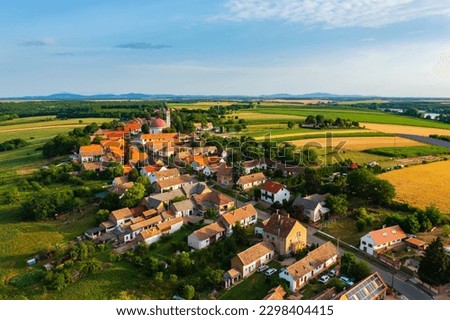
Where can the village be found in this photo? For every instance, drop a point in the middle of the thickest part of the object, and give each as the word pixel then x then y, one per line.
pixel 188 185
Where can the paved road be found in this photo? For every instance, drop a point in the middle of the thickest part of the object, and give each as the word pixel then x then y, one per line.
pixel 427 140
pixel 401 283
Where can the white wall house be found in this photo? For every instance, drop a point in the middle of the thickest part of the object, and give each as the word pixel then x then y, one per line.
pixel 315 262
pixel 250 259
pixel 272 192
pixel 203 237
pixel 382 239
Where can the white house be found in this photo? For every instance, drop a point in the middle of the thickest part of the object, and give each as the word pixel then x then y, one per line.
pixel 120 216
pixel 312 206
pixel 251 180
pixel 315 262
pixel 164 175
pixel 272 192
pixel 205 236
pixel 245 216
pixel 148 170
pixel 183 208
pixel 250 165
pixel 90 153
pixel 381 239
pixel 250 259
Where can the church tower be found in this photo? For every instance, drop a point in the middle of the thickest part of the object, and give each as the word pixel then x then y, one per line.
pixel 168 117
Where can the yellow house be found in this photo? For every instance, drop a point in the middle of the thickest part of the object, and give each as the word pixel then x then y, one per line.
pixel 285 233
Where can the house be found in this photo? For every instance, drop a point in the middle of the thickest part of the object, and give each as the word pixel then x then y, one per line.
pixel 94 233
pixel 225 175
pixel 171 225
pixel 206 236
pixel 315 262
pixel 251 180
pixel 166 151
pixel 92 166
pixel 195 188
pixel 289 170
pixel 211 169
pixel 272 192
pixel 149 236
pixel 91 153
pixel 122 188
pixel 371 288
pixel 160 200
pixel 245 216
pixel 215 200
pixel 164 175
pixel 285 233
pixel 174 183
pixel 148 170
pixel 250 259
pixel 277 293
pixel 382 239
pixel 312 206
pixel 119 180
pixel 198 163
pixel 120 216
pixel 183 208
pixel 250 165
pixel 259 227
pixel 151 138
pixel 128 231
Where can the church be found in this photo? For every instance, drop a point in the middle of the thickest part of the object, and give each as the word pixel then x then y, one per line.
pixel 157 125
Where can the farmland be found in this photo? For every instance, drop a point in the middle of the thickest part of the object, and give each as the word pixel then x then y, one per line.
pixel 392 128
pixel 358 143
pixel 422 185
pixel 354 114
pixel 409 152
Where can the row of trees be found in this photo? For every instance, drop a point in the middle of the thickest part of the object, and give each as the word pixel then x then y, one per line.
pixel 320 121
pixel 13 144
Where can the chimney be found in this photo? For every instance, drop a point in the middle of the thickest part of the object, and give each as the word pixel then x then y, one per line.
pixel 288 215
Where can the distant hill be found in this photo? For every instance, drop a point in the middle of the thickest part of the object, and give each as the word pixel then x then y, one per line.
pixel 143 96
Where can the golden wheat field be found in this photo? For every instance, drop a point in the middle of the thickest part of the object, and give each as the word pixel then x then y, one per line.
pixel 423 185
pixel 395 128
pixel 360 143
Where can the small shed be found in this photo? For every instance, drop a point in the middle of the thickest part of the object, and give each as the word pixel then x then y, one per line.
pixel 416 243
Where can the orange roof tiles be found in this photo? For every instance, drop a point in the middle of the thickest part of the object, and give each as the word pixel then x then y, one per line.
pixel 388 234
pixel 272 186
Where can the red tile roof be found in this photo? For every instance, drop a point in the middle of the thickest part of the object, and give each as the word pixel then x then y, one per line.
pixel 272 186
pixel 388 234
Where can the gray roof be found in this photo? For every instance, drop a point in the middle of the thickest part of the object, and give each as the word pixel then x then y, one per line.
pixel 183 205
pixel 195 188
pixel 155 199
pixel 305 203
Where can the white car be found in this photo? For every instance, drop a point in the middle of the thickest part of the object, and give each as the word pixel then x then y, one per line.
pixel 332 273
pixel 324 279
pixel 263 267
pixel 270 272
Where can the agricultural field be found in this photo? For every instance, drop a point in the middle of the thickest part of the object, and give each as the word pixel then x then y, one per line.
pixel 202 105
pixel 392 128
pixel 410 152
pixel 358 143
pixel 422 185
pixel 255 117
pixel 360 115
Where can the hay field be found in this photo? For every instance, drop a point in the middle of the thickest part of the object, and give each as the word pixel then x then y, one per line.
pixel 273 117
pixel 423 185
pixel 307 132
pixel 395 128
pixel 360 143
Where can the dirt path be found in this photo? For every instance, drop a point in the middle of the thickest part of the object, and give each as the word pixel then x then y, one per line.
pixel 44 127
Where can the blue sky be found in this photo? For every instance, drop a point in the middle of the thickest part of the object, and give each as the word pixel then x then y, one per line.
pixel 252 47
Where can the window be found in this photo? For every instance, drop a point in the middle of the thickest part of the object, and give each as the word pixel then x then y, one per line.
pixel 364 243
pixel 370 245
pixel 273 238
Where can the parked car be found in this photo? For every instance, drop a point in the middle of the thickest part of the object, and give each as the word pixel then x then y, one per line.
pixel 263 268
pixel 347 281
pixel 270 272
pixel 332 273
pixel 324 279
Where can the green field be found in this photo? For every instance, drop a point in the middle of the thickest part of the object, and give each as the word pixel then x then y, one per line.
pixel 409 152
pixel 360 115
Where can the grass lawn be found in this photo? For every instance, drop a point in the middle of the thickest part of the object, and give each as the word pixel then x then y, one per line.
pixel 409 152
pixel 254 287
pixel 310 290
pixel 360 115
pixel 345 228
pixel 166 248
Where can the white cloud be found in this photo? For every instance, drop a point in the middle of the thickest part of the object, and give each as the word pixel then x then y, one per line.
pixel 336 13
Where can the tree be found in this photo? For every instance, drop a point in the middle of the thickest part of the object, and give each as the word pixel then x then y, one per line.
pixel 337 204
pixel 433 268
pixel 313 180
pixel 434 215
pixel 101 215
pixel 133 196
pixel 12 196
pixel 351 267
pixel 381 191
pixel 133 175
pixel 410 224
pixel 145 128
pixel 310 120
pixel 90 266
pixel 238 171
pixel 337 283
pixel 290 124
pixel 310 156
pixel 188 292
pixel 110 202
pixel 146 183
